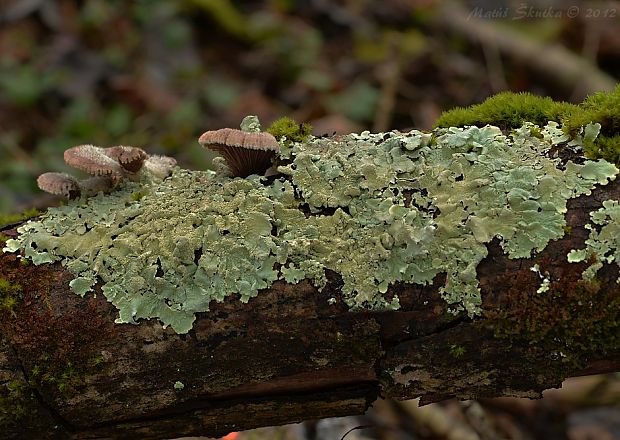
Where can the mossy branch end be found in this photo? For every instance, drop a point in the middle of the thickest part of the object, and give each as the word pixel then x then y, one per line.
pixel 376 209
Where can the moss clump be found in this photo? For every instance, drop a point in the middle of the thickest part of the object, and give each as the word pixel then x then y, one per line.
pixel 510 110
pixel 290 129
pixel 600 107
pixel 9 293
pixel 507 110
pixel 605 147
pixel 603 108
pixel 137 195
pixel 457 351
pixel 6 219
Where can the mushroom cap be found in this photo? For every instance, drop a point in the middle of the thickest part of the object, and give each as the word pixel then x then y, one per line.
pixel 160 166
pixel 61 184
pixel 130 158
pixel 232 137
pixel 93 160
pixel 245 152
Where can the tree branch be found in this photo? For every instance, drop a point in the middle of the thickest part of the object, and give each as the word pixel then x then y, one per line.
pixel 295 352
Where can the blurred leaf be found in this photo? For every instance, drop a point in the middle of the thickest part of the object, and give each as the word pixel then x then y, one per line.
pixel 177 34
pixel 186 114
pixel 371 50
pixel 412 42
pixel 118 120
pixel 316 79
pixel 221 93
pixel 95 13
pixel 225 14
pixel 114 55
pixel 78 119
pixel 283 6
pixel 23 85
pixel 408 43
pixel 358 102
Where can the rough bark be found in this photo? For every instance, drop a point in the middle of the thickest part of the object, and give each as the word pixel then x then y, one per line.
pixel 67 371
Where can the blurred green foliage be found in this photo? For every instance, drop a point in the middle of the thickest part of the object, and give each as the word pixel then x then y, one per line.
pixel 156 74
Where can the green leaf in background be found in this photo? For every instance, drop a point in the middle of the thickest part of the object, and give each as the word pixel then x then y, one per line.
pixel 118 120
pixel 358 102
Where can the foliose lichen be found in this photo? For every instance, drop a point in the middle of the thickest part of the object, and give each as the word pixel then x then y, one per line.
pixel 375 208
pixel 603 243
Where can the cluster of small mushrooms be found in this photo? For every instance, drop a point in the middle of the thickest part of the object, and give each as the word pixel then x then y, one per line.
pixel 245 153
pixel 108 167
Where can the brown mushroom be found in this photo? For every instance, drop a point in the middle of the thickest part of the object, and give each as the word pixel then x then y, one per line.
pixel 96 184
pixel 93 160
pixel 130 158
pixel 108 167
pixel 60 184
pixel 160 166
pixel 245 152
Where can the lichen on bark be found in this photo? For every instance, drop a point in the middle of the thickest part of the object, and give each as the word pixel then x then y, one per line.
pixel 375 208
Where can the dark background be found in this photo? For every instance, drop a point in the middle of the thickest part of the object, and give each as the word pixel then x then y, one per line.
pixel 156 74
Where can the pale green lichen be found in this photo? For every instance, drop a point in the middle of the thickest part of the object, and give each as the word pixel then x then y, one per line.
pixel 545 283
pixel 250 124
pixel 374 208
pixel 603 243
pixel 178 385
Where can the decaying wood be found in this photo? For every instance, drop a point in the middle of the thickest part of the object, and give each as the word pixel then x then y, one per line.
pixel 285 356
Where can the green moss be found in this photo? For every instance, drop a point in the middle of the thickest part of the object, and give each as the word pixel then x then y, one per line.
pixel 601 107
pixel 9 295
pixel 290 129
pixel 137 195
pixel 604 109
pixel 21 412
pixel 12 409
pixel 507 110
pixel 62 378
pixel 376 209
pixel 571 319
pixel 510 110
pixel 457 351
pixel 6 219
pixel 67 379
pixel 605 147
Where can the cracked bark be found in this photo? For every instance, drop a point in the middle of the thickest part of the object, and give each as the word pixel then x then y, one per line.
pixel 285 356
